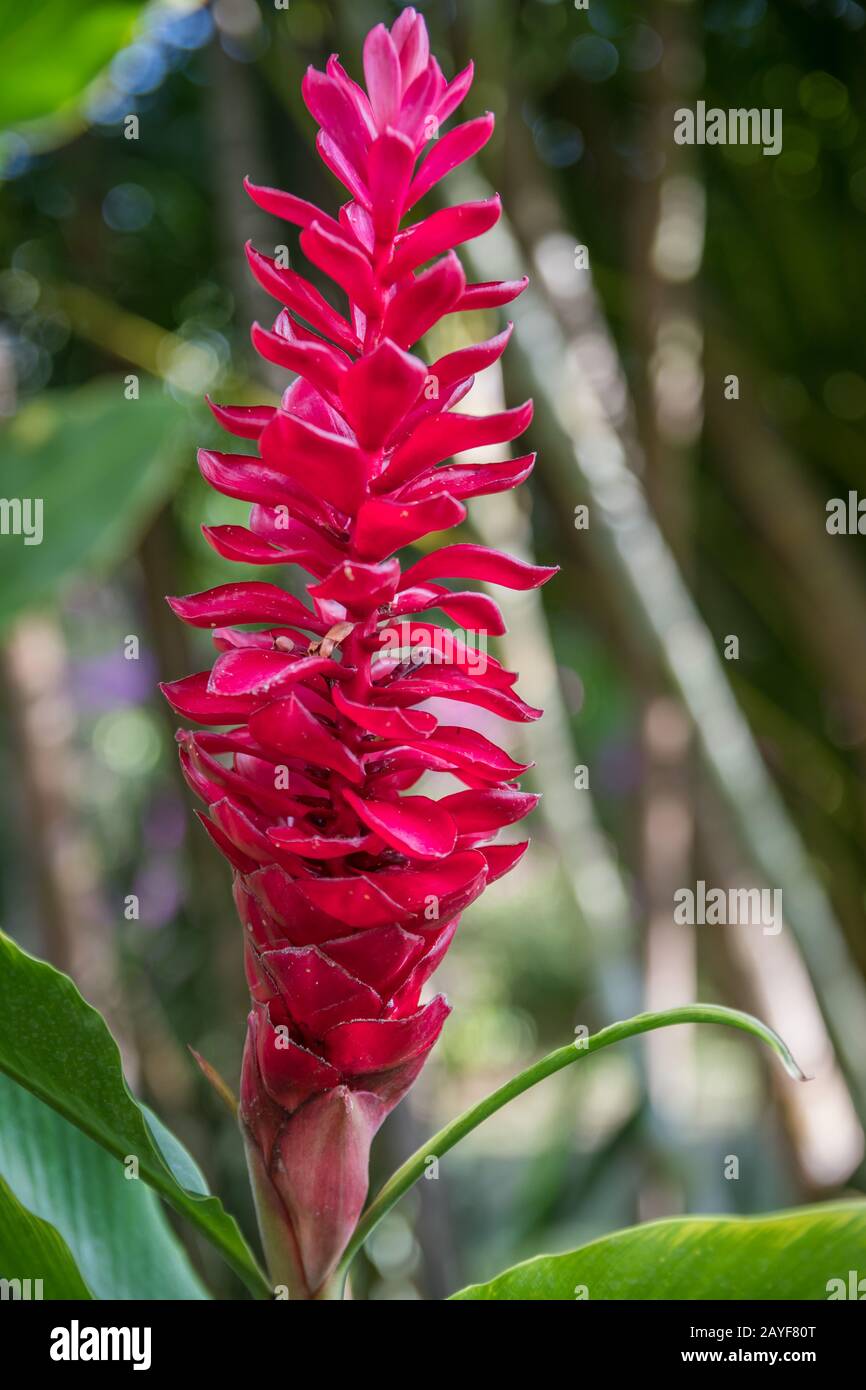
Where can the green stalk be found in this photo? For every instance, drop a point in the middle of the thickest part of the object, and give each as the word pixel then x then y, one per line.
pixel 408 1174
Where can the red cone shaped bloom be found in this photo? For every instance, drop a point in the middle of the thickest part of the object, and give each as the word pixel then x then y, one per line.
pixel 348 883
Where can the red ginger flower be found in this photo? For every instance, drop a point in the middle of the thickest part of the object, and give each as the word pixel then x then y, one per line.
pixel 350 891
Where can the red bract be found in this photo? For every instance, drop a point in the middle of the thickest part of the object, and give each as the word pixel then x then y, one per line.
pixel 349 885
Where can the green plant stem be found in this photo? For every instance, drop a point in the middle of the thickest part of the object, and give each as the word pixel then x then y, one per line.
pixel 414 1167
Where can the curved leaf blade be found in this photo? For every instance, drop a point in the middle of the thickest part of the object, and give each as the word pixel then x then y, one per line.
pixel 114 1226
pixel 54 1044
pixel 791 1255
pixel 31 1249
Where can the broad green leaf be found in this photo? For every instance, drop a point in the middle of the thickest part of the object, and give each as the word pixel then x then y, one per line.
pixel 53 1043
pixel 32 1249
pixel 791 1255
pixel 53 48
pixel 101 465
pixel 114 1225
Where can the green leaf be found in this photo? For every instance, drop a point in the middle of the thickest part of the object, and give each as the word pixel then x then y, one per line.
pixel 790 1255
pixel 53 1043
pixel 32 1249
pixel 101 465
pixel 114 1226
pixel 179 1159
pixel 53 48
pixel 415 1166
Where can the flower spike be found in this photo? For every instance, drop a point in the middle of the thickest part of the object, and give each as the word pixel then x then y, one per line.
pixel 348 882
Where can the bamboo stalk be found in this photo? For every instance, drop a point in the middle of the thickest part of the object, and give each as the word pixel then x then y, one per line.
pixel 573 827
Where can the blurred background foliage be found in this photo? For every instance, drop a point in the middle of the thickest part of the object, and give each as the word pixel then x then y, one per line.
pixel 127 129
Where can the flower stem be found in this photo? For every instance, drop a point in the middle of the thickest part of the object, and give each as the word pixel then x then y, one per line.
pixel 415 1166
pixel 333 1288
